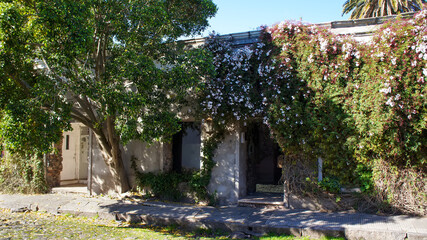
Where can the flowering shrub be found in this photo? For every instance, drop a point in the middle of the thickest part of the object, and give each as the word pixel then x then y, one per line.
pixel 356 105
pixel 232 94
pixel 389 109
pixel 371 97
pixel 307 110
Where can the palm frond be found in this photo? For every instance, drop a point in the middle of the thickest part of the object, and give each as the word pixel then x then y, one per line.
pixel 376 8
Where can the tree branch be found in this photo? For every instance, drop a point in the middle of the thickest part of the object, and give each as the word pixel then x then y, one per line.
pixel 90 108
pixel 86 108
pixel 81 118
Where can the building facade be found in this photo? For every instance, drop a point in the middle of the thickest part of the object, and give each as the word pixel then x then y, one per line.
pixel 246 157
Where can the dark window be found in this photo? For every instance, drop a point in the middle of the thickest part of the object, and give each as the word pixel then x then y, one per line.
pixel 67 142
pixel 186 147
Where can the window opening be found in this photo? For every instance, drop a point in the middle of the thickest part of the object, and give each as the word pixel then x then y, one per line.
pixel 67 142
pixel 186 147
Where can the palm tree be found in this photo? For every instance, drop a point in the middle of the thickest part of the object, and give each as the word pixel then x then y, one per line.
pixel 377 8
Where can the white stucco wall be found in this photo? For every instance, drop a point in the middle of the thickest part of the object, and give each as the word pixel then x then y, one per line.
pixel 228 179
pixel 148 159
pixel 101 179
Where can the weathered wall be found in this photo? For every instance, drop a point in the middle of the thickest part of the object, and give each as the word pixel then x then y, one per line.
pixel 228 181
pixel 228 176
pixel 167 157
pixel 243 156
pixel 148 158
pixel 101 178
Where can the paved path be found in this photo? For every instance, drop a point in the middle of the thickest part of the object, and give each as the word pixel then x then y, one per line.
pixel 239 219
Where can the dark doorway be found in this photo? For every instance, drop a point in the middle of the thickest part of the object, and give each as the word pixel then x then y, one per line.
pixel 263 152
pixel 186 147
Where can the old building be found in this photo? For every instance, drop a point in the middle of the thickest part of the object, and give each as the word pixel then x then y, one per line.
pixel 245 158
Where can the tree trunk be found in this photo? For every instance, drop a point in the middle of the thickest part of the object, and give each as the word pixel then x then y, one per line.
pixel 117 170
pixel 110 148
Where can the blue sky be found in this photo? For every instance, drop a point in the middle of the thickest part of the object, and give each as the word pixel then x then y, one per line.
pixel 247 15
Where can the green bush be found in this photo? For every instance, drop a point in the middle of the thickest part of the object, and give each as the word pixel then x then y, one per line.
pixel 22 174
pixel 169 185
pixel 162 185
pixel 366 181
pixel 330 185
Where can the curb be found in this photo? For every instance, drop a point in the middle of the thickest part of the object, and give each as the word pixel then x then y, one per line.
pixel 237 220
pixel 192 224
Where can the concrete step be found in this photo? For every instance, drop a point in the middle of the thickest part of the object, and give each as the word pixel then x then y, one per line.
pixel 268 205
pixel 263 200
pixel 73 182
pixel 74 189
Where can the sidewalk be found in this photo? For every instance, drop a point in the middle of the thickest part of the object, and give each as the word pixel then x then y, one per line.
pixel 234 219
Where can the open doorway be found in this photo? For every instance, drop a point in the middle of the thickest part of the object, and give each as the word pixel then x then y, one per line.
pixel 263 173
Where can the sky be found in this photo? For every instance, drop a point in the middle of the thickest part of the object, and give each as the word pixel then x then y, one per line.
pixel 235 16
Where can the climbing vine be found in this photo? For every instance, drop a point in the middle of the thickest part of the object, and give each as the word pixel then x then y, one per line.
pixel 232 93
pixel 200 179
pixel 359 106
pixel 355 104
pixel 306 107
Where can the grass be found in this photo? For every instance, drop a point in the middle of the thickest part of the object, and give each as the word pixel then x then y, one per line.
pixel 37 225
